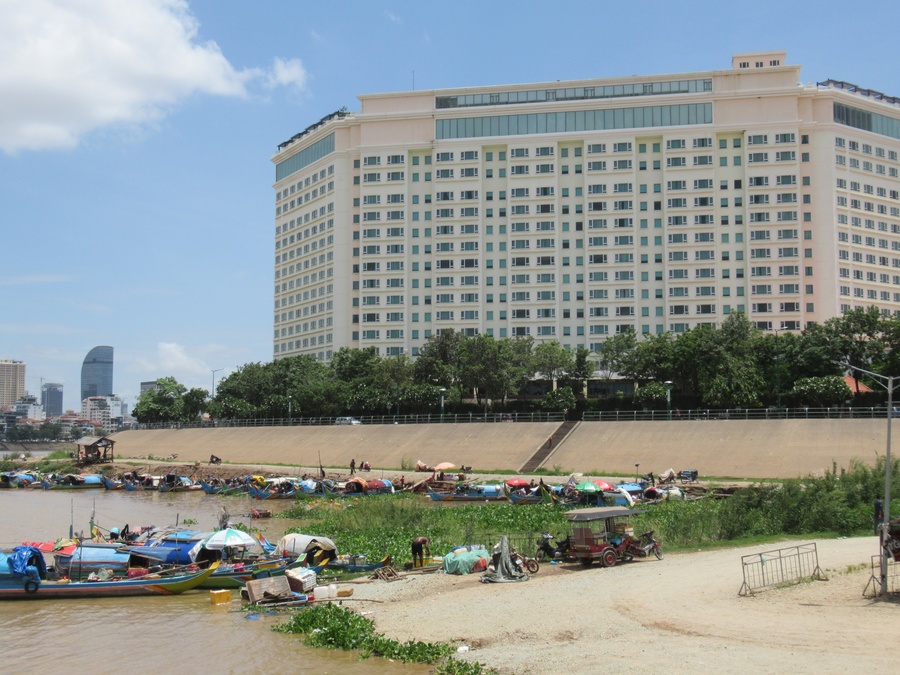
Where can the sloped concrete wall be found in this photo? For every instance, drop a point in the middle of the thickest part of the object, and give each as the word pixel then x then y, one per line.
pixel 484 446
pixel 724 448
pixel 727 448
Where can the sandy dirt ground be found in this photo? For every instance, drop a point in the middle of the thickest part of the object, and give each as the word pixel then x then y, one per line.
pixel 682 614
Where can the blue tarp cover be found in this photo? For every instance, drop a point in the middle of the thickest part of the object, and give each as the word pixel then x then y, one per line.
pixel 15 563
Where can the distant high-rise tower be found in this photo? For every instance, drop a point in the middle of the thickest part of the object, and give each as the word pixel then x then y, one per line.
pixel 12 381
pixel 97 373
pixel 52 399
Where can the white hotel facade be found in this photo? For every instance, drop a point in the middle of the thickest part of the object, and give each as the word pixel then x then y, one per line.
pixel 572 210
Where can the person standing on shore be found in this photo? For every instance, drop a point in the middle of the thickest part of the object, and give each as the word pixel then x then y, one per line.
pixel 418 545
pixel 352 466
pixel 879 513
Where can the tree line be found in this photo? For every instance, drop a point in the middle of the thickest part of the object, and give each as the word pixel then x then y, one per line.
pixel 732 365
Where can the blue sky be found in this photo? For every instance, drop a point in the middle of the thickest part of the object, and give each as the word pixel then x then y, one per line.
pixel 135 136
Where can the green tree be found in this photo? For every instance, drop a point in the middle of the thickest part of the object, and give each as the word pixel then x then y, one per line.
pixel 551 360
pixel 821 391
pixel 438 362
pixel 582 370
pixel 616 353
pixel 495 369
pixel 858 336
pixel 161 405
pixel 651 396
pixel 352 365
pixel 559 399
pixel 652 358
pixel 730 374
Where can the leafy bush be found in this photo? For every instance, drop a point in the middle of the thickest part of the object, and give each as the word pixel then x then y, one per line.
pixel 329 625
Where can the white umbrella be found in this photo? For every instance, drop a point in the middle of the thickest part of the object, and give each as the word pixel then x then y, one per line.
pixel 229 537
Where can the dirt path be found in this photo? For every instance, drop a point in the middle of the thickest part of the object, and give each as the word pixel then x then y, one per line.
pixel 682 614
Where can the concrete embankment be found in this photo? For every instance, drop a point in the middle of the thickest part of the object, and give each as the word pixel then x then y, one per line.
pixel 740 449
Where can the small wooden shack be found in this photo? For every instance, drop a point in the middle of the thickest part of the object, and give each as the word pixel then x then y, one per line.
pixel 94 450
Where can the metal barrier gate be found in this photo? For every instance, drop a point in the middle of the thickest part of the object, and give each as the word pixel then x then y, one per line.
pixel 873 588
pixel 782 566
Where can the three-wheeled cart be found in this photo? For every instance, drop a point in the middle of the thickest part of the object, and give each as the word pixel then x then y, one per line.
pixel 596 531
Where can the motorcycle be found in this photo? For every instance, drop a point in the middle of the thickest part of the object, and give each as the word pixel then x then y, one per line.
pixel 546 549
pixel 639 547
pixel 524 563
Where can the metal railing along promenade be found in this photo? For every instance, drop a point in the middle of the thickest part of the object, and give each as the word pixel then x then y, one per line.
pixel 691 414
pixel 449 418
pixel 872 412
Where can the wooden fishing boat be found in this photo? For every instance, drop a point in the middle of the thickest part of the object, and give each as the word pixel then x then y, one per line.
pixel 527 498
pixel 355 564
pixel 111 484
pixel 469 493
pixel 18 479
pixel 173 483
pixel 73 481
pixel 260 493
pixel 28 562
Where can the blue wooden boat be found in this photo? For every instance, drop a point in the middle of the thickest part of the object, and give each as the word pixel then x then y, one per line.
pixel 527 498
pixel 211 489
pixel 80 562
pixel 18 479
pixel 355 564
pixel 470 493
pixel 266 493
pixel 23 576
pixel 168 547
pixel 173 483
pixel 73 481
pixel 111 484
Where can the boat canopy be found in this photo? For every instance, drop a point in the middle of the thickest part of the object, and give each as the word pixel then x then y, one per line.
pixel 299 544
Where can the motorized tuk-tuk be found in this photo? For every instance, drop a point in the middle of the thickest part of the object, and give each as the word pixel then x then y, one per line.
pixel 598 532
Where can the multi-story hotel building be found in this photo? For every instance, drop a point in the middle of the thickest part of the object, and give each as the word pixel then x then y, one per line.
pixel 573 210
pixel 12 382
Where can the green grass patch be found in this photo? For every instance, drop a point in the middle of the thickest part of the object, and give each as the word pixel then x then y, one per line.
pixel 335 627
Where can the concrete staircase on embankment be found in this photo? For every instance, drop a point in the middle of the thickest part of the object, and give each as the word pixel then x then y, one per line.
pixel 547 447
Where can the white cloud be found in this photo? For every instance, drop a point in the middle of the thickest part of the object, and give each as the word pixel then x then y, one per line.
pixel 173 358
pixel 286 73
pixel 68 67
pixel 392 17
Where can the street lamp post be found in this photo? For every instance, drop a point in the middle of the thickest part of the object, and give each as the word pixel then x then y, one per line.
pixel 668 384
pixel 290 411
pixel 886 381
pixel 214 371
pixel 777 369
pixel 443 391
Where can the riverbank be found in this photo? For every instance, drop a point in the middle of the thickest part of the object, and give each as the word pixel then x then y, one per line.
pixel 682 614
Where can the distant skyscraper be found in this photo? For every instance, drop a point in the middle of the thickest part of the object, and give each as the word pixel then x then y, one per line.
pixel 12 382
pixel 52 399
pixel 97 373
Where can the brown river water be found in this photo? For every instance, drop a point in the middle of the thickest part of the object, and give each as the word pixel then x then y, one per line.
pixel 184 633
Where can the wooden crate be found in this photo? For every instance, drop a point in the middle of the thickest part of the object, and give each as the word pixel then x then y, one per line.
pixel 274 586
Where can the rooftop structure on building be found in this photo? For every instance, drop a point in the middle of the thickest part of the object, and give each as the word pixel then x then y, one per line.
pixel 577 210
pixel 12 381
